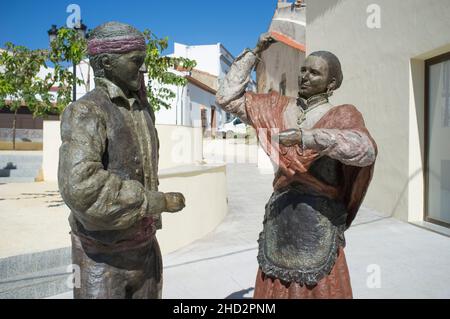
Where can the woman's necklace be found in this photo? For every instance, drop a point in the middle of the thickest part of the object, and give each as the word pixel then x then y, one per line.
pixel 310 104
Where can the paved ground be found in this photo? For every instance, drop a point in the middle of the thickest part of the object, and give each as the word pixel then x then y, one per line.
pixel 387 258
pixel 409 262
pixel 33 218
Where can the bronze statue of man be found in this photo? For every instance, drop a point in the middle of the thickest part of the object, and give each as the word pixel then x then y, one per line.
pixel 108 173
pixel 324 157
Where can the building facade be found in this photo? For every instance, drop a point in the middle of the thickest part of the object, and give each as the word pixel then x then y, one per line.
pixel 279 68
pixel 195 104
pixel 395 57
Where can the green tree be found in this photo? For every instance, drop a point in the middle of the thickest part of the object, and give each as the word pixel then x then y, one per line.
pixel 68 48
pixel 21 86
pixel 19 81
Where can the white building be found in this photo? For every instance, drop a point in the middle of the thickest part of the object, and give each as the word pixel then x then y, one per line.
pixel 195 104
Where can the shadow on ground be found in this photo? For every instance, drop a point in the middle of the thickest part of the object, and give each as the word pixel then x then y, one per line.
pixel 55 197
pixel 240 294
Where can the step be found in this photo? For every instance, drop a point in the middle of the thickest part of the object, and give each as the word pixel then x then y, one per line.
pixel 26 164
pixel 5 158
pixel 25 172
pixel 37 275
pixel 15 165
pixel 6 180
pixel 42 284
pixel 66 295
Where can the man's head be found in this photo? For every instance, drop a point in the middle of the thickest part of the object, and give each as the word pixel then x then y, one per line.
pixel 117 52
pixel 320 73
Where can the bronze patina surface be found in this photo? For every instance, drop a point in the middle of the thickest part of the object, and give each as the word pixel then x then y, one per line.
pixel 324 158
pixel 108 173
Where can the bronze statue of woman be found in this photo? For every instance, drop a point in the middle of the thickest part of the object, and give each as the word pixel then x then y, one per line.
pixel 324 157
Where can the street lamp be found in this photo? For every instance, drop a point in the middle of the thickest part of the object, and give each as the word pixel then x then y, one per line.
pixel 81 30
pixel 52 33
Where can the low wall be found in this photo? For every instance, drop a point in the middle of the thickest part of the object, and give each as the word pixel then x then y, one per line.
pixel 31 268
pixel 204 186
pixel 205 190
pixel 51 139
pixel 179 145
pixel 26 139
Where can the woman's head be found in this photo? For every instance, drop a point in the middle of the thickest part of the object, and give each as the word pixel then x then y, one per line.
pixel 320 73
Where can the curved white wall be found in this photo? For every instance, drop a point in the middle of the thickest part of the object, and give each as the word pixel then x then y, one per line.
pixel 204 186
pixel 205 191
pixel 179 145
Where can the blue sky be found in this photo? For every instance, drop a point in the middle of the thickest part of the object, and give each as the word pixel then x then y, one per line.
pixel 235 23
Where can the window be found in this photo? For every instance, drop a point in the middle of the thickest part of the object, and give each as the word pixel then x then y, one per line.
pixel 437 135
pixel 282 89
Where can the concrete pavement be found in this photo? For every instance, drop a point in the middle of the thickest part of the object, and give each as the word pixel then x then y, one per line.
pixel 387 258
pixel 33 218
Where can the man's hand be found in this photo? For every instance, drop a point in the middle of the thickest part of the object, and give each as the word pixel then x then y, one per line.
pixel 174 202
pixel 289 138
pixel 265 41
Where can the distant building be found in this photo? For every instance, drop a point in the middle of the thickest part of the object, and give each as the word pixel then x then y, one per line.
pixel 195 104
pixel 280 66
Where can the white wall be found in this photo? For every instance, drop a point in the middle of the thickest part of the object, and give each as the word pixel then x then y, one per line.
pixel 199 97
pixel 179 146
pixel 206 206
pixel 280 59
pixel 186 107
pixel 204 186
pixel 50 153
pixel 187 104
pixel 174 115
pixel 206 56
pixel 383 77
pixel 85 74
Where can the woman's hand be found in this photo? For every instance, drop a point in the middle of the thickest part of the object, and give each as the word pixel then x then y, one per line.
pixel 265 41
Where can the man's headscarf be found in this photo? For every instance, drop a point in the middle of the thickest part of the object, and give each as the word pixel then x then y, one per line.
pixel 115 37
